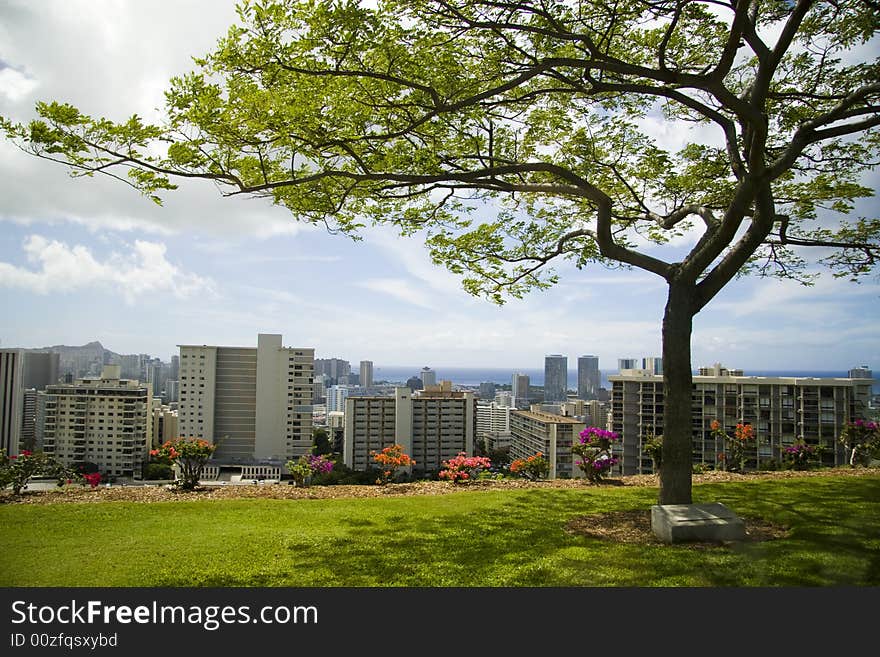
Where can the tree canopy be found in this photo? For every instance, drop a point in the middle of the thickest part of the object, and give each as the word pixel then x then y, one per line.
pixel 513 134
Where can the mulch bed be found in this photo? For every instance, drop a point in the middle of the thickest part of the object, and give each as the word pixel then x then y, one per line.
pixel 634 526
pixel 146 494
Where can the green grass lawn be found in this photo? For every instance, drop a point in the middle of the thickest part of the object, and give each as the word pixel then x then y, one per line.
pixel 467 538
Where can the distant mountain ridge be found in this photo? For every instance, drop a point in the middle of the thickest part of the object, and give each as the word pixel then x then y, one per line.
pixel 79 359
pixel 92 347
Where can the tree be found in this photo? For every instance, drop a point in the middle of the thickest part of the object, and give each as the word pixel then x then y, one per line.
pixel 434 115
pixel 18 469
pixel 307 466
pixel 463 468
pixel 533 467
pixel 594 448
pixel 390 460
pixel 190 457
pixel 321 442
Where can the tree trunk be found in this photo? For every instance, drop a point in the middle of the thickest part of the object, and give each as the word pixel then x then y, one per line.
pixel 675 475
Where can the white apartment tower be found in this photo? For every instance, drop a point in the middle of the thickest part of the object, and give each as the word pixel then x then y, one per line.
pixel 164 424
pixel 103 420
pixel 254 403
pixel 336 396
pixel 432 428
pixel 493 425
pixel 428 376
pixel 520 390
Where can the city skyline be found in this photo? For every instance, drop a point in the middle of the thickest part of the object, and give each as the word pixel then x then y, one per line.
pixel 84 260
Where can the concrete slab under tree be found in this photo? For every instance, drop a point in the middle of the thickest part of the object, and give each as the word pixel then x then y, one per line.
pixel 678 523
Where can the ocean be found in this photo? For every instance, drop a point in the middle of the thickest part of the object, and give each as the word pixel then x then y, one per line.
pixel 474 376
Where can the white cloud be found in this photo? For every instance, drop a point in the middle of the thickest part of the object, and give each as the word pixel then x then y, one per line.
pixel 412 254
pixel 822 301
pixel 16 86
pixel 62 268
pixel 131 51
pixel 397 288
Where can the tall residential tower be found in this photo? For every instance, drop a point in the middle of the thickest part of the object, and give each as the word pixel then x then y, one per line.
pixel 256 404
pixel 589 379
pixel 555 378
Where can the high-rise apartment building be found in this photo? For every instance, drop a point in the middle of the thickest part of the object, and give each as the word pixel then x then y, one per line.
pixel 165 425
pixel 863 372
pixel 782 410
pixel 431 428
pixel 131 366
pixel 520 390
pixel 335 370
pixel 493 425
pixel 103 420
pixel 11 389
pixel 365 374
pixel 336 396
pixel 428 376
pixel 555 378
pixel 552 435
pixel 319 388
pixel 22 370
pixel 593 413
pixel 504 398
pixel 28 438
pixel 254 403
pixel 487 390
pixel 40 369
pixel 172 391
pixel 589 378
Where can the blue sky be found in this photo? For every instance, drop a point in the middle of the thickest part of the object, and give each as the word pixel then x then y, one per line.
pixel 89 259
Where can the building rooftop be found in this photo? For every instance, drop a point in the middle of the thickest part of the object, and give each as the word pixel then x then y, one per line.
pixel 639 375
pixel 549 418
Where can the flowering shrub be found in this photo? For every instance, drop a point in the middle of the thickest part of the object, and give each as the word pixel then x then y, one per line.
pixel 533 467
pixel 800 456
pixel 190 456
pixel 308 465
pixel 733 458
pixel 594 449
pixel 17 470
pixel 390 460
pixel 862 441
pixel 464 468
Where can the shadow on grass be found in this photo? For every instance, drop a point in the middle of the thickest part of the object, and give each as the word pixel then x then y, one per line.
pixel 835 537
pixel 521 542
